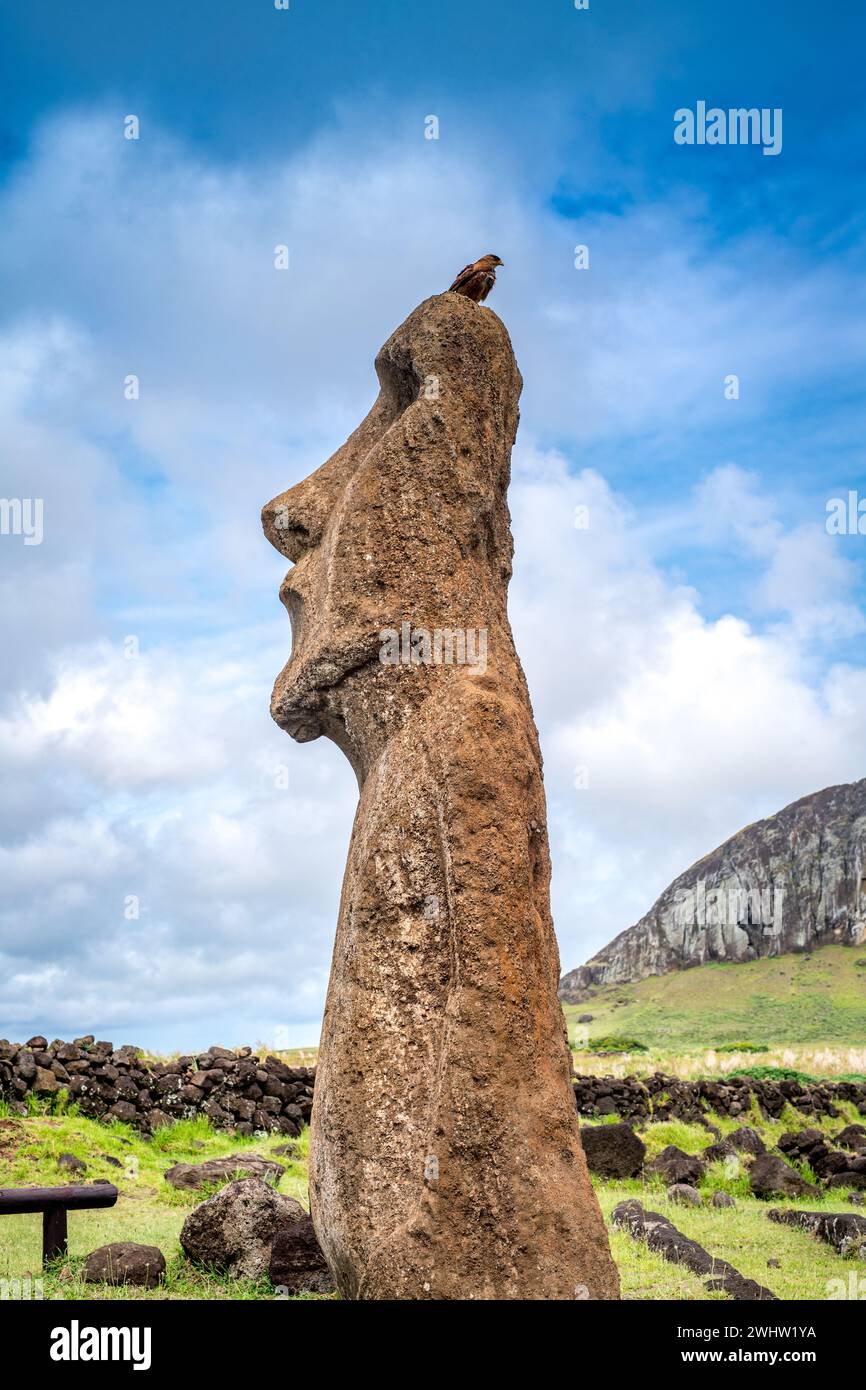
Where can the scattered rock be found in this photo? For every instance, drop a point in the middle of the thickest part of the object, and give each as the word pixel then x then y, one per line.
pixel 124 1262
pixel 844 1231
pixel 722 1199
pixel 235 1230
pixel 716 1153
pixel 674 1166
pixel 613 1151
pixel 186 1176
pixel 852 1137
pixel 71 1163
pixel 772 1177
pixel 297 1263
pixel 747 1140
pixel 685 1194
pixel 661 1235
pixel 847 1179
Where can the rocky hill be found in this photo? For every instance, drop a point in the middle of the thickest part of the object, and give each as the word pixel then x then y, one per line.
pixel 792 882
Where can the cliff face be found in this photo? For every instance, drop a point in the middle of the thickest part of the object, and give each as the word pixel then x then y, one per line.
pixel 793 882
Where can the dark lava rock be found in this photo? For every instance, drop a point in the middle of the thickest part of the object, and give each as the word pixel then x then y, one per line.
pixel 185 1176
pixel 747 1140
pixel 661 1235
pixel 613 1151
pixel 71 1163
pixel 685 1194
pixel 297 1263
pixel 124 1262
pixel 772 1177
pixel 672 1165
pixel 716 1153
pixel 235 1230
pixel 844 1231
pixel 852 1137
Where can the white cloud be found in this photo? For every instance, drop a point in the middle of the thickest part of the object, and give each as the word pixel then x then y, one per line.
pixel 688 728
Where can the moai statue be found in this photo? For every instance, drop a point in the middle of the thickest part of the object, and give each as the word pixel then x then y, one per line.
pixel 445 1154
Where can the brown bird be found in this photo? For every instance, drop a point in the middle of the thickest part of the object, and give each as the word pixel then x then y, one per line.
pixel 477 280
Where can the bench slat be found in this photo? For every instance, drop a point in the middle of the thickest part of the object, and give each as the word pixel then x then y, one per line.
pixel 18 1201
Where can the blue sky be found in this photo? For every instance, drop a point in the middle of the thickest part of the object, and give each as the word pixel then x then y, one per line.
pixel 699 649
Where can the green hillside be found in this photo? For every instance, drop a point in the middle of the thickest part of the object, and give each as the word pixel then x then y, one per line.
pixel 786 1000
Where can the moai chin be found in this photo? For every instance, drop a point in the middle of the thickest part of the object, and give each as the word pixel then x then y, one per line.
pixel 445 1152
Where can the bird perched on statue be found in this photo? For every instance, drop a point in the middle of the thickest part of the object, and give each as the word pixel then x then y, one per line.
pixel 477 280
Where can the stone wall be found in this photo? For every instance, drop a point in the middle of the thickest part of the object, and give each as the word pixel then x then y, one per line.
pixel 240 1091
pixel 661 1097
pixel 236 1090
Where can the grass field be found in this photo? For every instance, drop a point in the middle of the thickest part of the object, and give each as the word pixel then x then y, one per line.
pixel 808 1014
pixel 152 1212
pixel 148 1209
pixel 810 1008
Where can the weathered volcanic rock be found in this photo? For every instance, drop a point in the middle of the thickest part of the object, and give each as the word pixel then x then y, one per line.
pixel 792 882
pixel 235 1230
pixel 297 1263
pixel 674 1166
pixel 747 1140
pixel 852 1137
pixel 445 1158
pixel 661 1235
pixel 843 1231
pixel 771 1177
pixel 613 1151
pixel 685 1194
pixel 192 1175
pixel 124 1262
pixel 71 1163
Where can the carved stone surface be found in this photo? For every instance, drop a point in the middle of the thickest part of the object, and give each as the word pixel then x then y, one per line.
pixel 445 1157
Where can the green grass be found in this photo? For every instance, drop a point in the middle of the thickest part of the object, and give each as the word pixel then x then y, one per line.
pixel 787 1000
pixel 148 1209
pixel 743 1235
pixel 151 1212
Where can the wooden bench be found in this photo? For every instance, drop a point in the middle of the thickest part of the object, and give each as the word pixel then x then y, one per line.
pixel 54 1203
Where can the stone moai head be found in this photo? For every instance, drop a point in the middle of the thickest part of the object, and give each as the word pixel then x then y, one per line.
pixel 407 523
